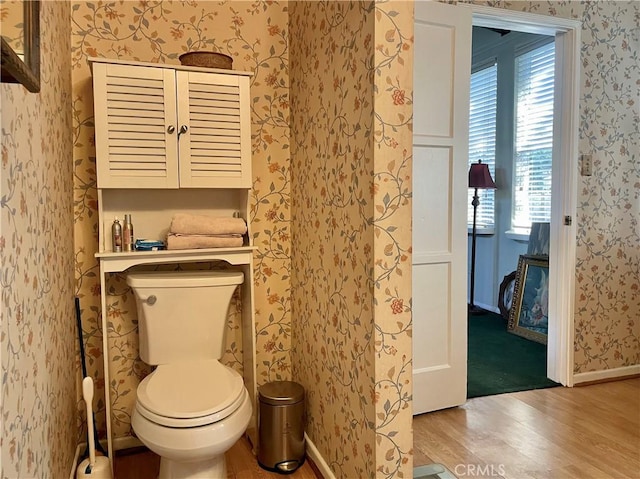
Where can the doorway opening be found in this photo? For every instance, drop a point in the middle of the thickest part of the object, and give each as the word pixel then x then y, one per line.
pixel 440 169
pixel 562 232
pixel 511 132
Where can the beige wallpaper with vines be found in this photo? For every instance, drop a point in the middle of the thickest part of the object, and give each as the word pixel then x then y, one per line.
pixel 392 190
pixel 332 202
pixel 37 330
pixel 38 333
pixel 348 273
pixel 351 78
pixel 255 35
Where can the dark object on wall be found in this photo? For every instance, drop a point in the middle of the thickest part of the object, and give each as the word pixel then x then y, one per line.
pixel 24 68
pixel 529 311
pixel 206 60
pixel 479 178
pixel 505 296
pixel 281 444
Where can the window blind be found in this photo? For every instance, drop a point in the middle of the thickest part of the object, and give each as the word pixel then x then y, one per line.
pixel 482 139
pixel 534 76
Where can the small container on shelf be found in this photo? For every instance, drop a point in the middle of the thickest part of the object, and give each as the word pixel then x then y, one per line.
pixel 127 234
pixel 149 245
pixel 116 235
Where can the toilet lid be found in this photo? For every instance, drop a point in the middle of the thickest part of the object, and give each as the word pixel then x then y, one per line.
pixel 190 389
pixel 196 421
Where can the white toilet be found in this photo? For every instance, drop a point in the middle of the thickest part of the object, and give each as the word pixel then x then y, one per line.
pixel 191 409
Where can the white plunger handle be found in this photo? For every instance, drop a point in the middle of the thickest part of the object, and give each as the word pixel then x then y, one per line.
pixel 87 394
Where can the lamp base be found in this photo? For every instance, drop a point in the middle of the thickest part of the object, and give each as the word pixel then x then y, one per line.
pixel 473 309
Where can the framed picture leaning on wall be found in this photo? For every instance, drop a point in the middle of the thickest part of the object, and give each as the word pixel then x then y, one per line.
pixel 530 307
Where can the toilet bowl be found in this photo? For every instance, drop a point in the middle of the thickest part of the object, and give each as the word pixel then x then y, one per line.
pixel 191 409
pixel 190 417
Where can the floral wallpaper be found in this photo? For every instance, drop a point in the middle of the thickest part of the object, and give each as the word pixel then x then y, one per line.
pixel 331 219
pixel 38 331
pixel 350 87
pixel 332 209
pixel 608 260
pixel 392 190
pixel 255 35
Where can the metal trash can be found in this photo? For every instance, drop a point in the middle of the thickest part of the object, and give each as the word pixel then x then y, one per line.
pixel 281 445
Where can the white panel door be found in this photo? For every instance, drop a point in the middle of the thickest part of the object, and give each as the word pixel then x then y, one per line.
pixel 442 69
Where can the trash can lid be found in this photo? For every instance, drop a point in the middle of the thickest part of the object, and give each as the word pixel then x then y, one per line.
pixel 280 393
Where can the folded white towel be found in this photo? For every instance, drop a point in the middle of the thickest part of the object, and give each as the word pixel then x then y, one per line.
pixel 184 223
pixel 180 241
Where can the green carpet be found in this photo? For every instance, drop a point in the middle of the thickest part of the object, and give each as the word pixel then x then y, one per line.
pixel 501 362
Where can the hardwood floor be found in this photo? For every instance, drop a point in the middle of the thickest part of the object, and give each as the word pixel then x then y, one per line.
pixel 241 464
pixel 590 432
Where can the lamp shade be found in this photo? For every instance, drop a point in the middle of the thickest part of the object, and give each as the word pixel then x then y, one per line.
pixel 480 177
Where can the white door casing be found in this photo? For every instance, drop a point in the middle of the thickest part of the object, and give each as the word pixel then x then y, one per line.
pixel 442 66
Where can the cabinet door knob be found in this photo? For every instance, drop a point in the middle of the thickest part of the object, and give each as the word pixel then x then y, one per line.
pixel 183 129
pixel 171 129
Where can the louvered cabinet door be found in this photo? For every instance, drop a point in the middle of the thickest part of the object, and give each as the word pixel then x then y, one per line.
pixel 135 123
pixel 215 146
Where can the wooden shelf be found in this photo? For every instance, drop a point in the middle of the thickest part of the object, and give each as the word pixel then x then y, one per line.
pixel 117 262
pixel 224 71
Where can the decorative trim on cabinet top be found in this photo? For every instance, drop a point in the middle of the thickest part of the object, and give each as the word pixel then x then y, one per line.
pixel 93 60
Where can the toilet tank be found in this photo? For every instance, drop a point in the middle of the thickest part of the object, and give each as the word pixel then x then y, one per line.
pixel 182 314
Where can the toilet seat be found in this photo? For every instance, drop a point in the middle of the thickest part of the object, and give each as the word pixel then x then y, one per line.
pixel 190 393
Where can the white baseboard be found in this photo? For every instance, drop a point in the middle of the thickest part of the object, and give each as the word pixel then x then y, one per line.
pixel 318 460
pixel 488 307
pixel 606 374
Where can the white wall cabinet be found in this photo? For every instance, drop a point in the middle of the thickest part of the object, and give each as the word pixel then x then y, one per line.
pixel 171 127
pixel 172 139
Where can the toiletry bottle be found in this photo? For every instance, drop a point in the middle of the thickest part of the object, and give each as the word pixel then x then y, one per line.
pixel 116 236
pixel 127 233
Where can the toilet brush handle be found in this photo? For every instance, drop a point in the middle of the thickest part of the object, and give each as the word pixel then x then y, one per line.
pixel 87 394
